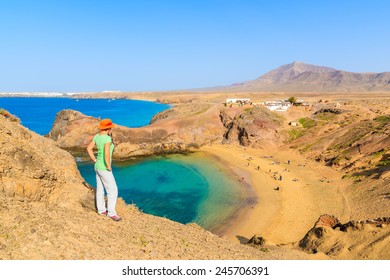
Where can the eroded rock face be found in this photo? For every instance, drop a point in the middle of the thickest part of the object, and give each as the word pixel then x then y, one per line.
pixel 34 168
pixel 334 239
pixel 251 126
pixel 177 130
pixel 327 221
pixel 72 130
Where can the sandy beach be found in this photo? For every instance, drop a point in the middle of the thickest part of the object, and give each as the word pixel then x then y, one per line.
pixel 282 215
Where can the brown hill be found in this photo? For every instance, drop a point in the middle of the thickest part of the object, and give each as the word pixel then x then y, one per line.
pixel 302 77
pixel 353 139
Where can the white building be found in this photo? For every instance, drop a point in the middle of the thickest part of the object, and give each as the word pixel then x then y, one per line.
pixel 278 106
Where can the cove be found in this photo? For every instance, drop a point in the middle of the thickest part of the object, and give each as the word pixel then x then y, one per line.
pixel 184 188
pixel 190 188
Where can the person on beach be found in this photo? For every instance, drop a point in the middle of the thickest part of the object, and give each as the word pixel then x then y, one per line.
pixel 104 178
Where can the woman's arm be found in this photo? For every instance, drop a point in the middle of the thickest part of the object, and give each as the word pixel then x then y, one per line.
pixel 107 156
pixel 90 151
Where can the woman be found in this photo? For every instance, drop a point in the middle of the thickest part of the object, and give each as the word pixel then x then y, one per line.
pixel 104 178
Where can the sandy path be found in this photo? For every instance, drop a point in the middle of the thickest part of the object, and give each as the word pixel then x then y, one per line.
pixel 285 215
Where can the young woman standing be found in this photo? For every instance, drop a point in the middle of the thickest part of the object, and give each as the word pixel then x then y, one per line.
pixel 104 178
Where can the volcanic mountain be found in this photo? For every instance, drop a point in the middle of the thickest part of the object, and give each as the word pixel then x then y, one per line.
pixel 299 76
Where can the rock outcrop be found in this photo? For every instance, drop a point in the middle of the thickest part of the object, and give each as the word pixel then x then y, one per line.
pixel 256 241
pixel 367 239
pixel 177 130
pixel 72 130
pixel 253 127
pixel 32 168
pixel 336 240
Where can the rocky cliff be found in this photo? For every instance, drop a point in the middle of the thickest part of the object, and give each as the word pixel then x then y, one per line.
pixel 180 129
pixel 34 169
pixel 49 213
pixel 256 127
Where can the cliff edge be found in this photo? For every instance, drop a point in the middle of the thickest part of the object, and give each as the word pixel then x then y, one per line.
pixel 49 213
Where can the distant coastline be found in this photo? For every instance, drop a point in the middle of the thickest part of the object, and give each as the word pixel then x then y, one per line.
pixel 84 95
pixel 50 106
pixel 41 94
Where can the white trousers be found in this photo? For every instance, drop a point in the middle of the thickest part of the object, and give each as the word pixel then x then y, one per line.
pixel 105 181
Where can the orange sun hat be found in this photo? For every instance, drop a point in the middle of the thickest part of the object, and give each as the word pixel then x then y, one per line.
pixel 105 124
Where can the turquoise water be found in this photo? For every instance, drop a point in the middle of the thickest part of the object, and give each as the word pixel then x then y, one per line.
pixel 183 188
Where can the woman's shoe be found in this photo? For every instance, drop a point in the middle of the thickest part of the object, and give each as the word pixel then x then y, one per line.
pixel 115 218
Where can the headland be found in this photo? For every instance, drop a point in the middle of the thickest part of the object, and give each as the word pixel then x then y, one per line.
pixel 328 159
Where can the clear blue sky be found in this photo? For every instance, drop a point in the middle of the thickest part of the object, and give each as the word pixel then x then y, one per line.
pixel 144 45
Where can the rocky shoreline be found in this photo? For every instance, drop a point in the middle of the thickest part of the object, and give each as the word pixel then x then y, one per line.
pixel 51 214
pixel 181 129
pixel 40 185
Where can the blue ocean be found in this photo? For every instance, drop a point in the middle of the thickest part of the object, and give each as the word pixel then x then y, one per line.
pixel 184 188
pixel 38 114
